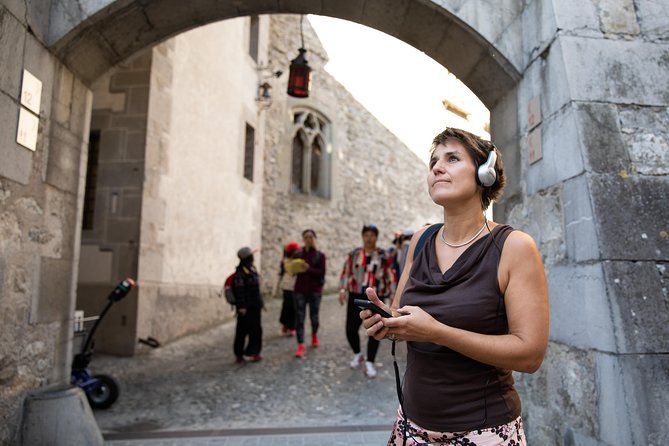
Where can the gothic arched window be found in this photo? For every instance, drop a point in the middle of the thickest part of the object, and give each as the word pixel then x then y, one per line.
pixel 310 166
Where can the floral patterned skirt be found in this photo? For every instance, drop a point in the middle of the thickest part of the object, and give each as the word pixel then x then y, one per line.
pixel 510 434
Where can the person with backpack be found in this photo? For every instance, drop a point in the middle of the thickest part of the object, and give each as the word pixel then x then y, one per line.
pixel 308 290
pixel 365 266
pixel 249 304
pixel 472 304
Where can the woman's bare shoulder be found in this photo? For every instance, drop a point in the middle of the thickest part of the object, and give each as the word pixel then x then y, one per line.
pixel 518 245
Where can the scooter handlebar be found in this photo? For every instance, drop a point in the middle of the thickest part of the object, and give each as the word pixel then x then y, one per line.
pixel 122 289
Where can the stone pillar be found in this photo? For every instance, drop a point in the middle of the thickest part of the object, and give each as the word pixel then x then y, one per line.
pixel 594 197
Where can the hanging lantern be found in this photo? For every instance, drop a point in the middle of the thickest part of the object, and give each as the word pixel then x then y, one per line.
pixel 299 77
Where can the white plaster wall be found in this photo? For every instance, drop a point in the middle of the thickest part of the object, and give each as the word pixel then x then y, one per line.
pixel 211 209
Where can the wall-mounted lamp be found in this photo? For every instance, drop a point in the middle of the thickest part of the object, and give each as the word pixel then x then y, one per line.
pixel 299 78
pixel 263 96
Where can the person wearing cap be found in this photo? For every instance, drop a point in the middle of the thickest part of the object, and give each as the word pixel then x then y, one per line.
pixel 249 304
pixel 308 290
pixel 365 266
pixel 287 279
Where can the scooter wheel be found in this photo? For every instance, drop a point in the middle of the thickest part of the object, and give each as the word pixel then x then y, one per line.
pixel 104 394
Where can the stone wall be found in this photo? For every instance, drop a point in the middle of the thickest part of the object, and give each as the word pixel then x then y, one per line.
pixel 599 68
pixel 39 195
pixel 375 177
pixel 595 204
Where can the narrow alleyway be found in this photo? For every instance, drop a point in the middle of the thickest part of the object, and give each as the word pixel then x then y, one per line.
pixel 193 386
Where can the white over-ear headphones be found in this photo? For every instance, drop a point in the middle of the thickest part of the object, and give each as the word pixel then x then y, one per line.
pixel 486 174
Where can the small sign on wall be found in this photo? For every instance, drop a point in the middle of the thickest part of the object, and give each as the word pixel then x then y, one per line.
pixel 31 97
pixel 26 134
pixel 533 112
pixel 534 145
pixel 31 92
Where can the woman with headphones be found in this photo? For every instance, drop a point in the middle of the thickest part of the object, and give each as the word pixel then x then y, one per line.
pixel 472 304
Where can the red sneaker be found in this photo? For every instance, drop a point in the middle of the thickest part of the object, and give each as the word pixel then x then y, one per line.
pixel 255 358
pixel 301 350
pixel 314 340
pixel 240 360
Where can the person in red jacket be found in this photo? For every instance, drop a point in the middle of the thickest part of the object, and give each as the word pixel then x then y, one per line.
pixel 308 290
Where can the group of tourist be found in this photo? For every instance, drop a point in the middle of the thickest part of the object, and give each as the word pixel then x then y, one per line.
pixel 301 278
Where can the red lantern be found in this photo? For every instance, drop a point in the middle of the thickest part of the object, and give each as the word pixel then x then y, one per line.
pixel 299 77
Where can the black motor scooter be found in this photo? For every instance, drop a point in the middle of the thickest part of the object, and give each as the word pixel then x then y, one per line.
pixel 101 390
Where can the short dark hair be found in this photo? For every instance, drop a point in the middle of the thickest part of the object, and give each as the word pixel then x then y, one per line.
pixel 370 227
pixel 478 149
pixel 306 231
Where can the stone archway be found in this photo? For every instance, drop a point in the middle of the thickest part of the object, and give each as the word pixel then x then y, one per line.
pixel 101 34
pixel 584 88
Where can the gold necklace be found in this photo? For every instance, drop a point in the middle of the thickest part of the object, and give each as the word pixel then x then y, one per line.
pixel 460 245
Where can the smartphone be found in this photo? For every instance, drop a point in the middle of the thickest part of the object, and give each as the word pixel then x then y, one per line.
pixel 368 305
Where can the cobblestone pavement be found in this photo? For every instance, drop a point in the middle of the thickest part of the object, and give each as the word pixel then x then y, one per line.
pixel 192 388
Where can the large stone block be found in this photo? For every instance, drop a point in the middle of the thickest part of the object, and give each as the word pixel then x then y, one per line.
pixel 17 161
pixel 599 127
pixel 561 397
pixel 633 404
pixel 653 19
pixel 632 216
pixel 502 25
pixel 112 144
pixel 123 231
pixel 617 17
pixel 41 63
pixel 580 313
pixel 562 152
pixel 616 71
pixel 382 16
pixel 52 291
pixel 576 17
pixel 645 132
pixel 546 77
pixel 580 228
pixel 64 158
pixel 504 133
pixel 12 41
pixel 62 96
pixel 638 299
pixel 121 174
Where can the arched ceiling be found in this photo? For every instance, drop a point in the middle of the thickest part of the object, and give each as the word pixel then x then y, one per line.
pixel 91 36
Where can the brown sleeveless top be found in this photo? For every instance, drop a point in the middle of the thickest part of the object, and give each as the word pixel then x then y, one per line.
pixel 443 390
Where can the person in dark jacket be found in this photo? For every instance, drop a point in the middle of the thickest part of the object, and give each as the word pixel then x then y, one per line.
pixel 249 304
pixel 308 290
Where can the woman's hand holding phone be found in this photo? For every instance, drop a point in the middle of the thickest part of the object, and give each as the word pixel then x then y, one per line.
pixel 372 321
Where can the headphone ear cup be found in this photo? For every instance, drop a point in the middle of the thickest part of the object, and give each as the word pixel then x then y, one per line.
pixel 486 174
